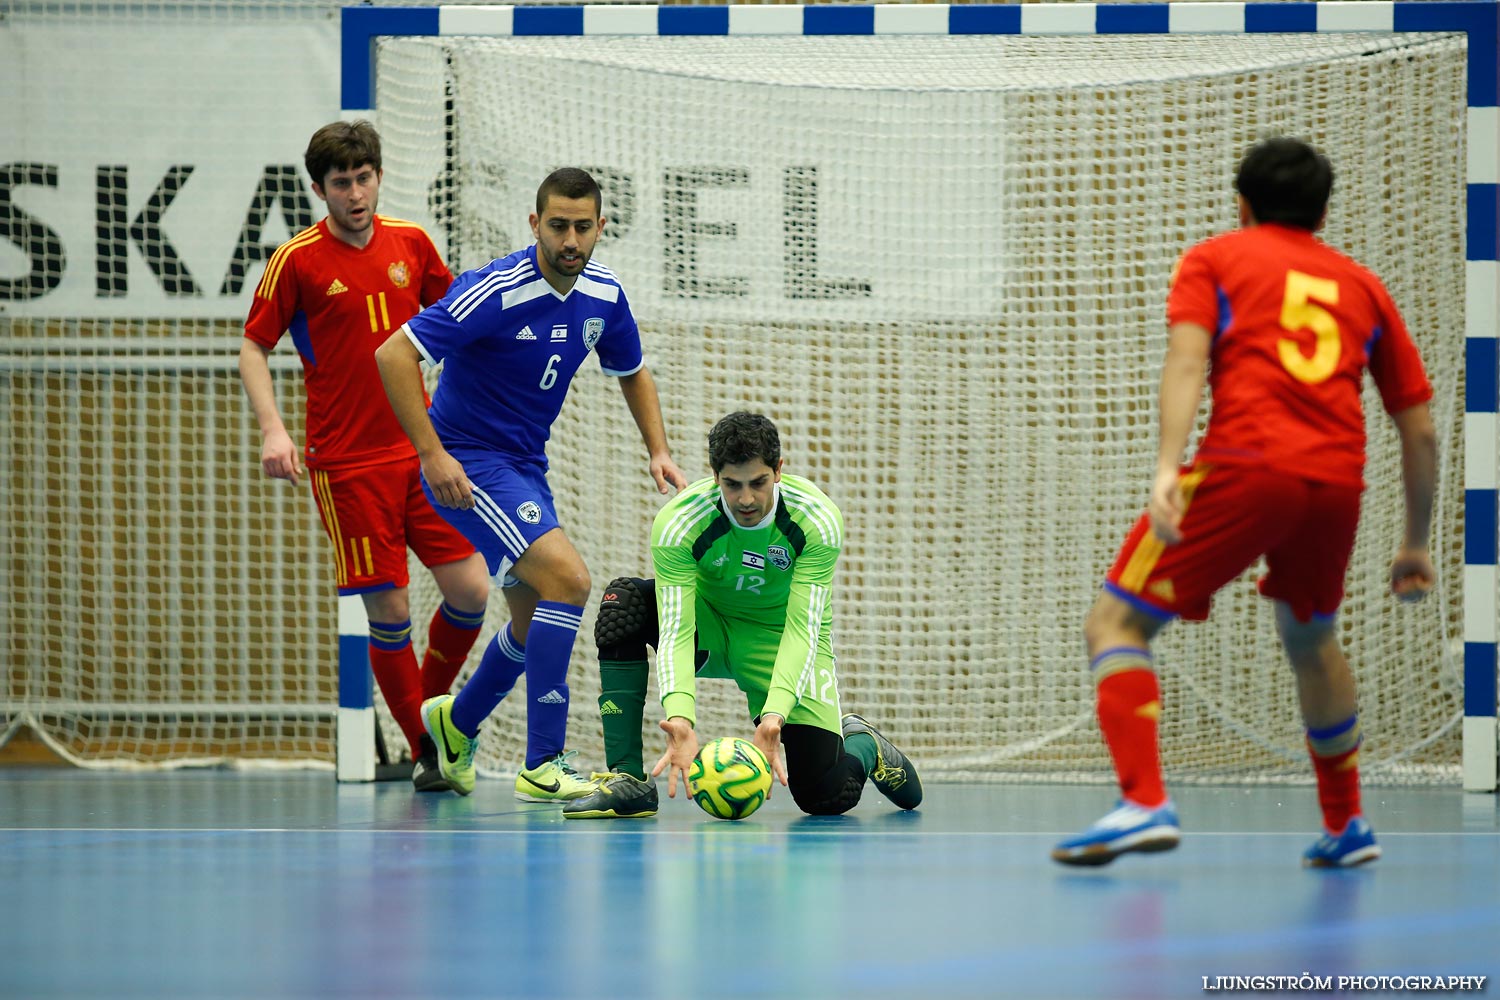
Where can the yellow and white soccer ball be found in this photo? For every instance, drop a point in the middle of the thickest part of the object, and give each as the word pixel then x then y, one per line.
pixel 730 778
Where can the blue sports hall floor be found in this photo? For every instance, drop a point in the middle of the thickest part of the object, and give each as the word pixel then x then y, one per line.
pixel 260 885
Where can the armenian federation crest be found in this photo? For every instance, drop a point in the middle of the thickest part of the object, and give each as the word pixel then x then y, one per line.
pixel 779 556
pixel 399 273
pixel 593 329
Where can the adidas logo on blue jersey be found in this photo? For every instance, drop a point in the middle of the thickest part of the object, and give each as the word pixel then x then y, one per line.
pixel 551 698
pixel 525 334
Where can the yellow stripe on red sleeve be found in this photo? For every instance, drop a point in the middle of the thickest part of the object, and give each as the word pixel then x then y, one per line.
pixel 267 286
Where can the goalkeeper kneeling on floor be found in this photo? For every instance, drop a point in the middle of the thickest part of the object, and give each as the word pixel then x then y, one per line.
pixel 743 589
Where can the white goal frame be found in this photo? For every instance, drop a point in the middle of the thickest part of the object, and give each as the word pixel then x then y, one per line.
pixel 362 25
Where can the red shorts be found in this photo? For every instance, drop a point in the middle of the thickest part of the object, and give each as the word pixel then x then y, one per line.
pixel 372 514
pixel 1233 515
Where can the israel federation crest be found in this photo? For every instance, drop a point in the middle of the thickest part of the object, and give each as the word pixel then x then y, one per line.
pixel 779 556
pixel 593 329
pixel 530 512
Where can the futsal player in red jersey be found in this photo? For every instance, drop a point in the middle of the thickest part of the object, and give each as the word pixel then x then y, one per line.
pixel 340 288
pixel 1286 326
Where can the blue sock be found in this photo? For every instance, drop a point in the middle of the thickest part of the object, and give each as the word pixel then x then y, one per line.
pixel 503 660
pixel 549 647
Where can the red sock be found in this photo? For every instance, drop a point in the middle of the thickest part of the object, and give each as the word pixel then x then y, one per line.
pixel 395 668
pixel 449 639
pixel 1335 758
pixel 1129 703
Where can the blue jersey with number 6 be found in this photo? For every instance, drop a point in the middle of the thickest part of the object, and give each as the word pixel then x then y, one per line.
pixel 510 345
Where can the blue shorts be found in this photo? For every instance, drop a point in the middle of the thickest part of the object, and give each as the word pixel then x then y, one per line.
pixel 513 507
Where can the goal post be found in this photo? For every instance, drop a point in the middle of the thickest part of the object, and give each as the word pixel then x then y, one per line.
pixel 933 242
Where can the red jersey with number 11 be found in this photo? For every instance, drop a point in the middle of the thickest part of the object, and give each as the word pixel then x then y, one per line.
pixel 1295 324
pixel 340 303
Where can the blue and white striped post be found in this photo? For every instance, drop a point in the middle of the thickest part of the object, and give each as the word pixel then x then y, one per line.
pixel 1477 18
pixel 1482 369
pixel 355 749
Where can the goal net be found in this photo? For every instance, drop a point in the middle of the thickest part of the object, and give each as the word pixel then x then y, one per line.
pixel 939 264
pixel 164 603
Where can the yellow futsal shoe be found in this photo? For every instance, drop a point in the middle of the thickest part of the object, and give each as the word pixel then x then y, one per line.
pixel 455 751
pixel 553 780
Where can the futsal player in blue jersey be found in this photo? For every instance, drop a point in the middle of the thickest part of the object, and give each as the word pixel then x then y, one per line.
pixel 511 335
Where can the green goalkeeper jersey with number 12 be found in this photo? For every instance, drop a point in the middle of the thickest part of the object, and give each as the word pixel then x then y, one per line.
pixel 776 576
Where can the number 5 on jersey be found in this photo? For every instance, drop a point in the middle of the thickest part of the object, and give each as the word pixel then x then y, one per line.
pixel 1300 311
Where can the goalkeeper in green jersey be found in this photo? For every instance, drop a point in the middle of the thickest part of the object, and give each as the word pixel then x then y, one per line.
pixel 744 589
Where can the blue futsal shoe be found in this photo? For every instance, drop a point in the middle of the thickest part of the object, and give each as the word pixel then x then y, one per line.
pixel 1355 846
pixel 1129 828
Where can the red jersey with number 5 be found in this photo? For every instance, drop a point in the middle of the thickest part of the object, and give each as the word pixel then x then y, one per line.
pixel 1295 324
pixel 340 303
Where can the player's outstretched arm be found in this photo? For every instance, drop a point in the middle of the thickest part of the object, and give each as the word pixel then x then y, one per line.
pixel 768 739
pixel 639 389
pixel 279 456
pixel 682 747
pixel 1182 376
pixel 401 372
pixel 1412 573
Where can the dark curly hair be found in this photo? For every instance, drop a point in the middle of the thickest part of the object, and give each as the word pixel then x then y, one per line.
pixel 740 437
